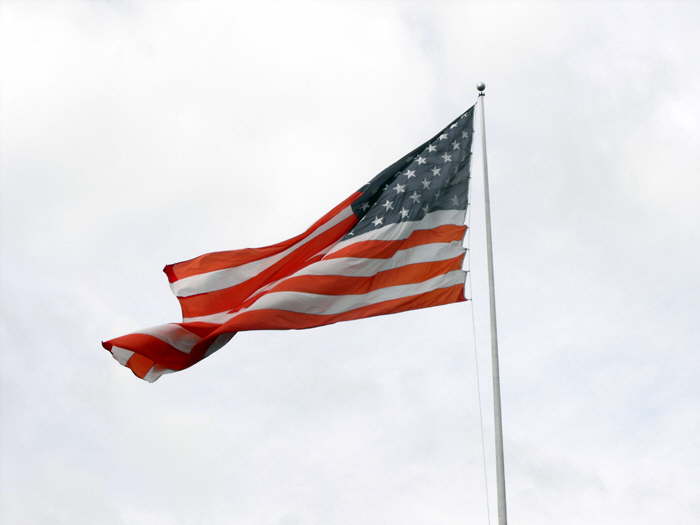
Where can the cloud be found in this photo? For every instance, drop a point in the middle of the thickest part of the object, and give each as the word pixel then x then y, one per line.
pixel 134 135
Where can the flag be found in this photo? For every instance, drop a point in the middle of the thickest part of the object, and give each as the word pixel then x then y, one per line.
pixel 394 245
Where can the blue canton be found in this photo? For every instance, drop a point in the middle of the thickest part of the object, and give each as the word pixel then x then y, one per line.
pixel 434 176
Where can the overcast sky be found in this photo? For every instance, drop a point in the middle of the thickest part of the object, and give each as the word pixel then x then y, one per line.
pixel 135 134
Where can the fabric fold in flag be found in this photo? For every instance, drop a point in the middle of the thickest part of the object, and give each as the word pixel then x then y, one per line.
pixel 392 246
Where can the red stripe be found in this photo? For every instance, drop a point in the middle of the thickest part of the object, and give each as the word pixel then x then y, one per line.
pixel 153 348
pixel 228 259
pixel 150 351
pixel 386 249
pixel 344 285
pixel 199 329
pixel 284 319
pixel 232 297
pixel 139 365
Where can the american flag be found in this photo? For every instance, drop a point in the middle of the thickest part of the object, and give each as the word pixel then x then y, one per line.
pixel 394 245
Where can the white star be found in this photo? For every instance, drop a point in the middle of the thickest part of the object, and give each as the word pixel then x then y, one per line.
pixel 432 148
pixel 388 205
pixel 420 160
pixel 425 183
pixel 414 197
pixel 403 213
pixel 453 126
pixel 425 209
pixel 465 134
pixel 436 172
pixel 351 234
pixel 455 200
pixel 443 136
pixel 364 206
pixel 446 157
pixel 378 220
pixel 455 145
pixel 410 173
pixel 400 188
pixel 437 194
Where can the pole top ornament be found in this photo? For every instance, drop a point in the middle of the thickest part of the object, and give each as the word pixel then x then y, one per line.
pixel 481 87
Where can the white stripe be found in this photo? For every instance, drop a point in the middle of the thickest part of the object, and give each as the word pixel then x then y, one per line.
pixel 122 355
pixel 173 334
pixel 364 267
pixel 220 279
pixel 271 285
pixel 310 303
pixel 356 267
pixel 155 372
pixel 403 230
pixel 219 318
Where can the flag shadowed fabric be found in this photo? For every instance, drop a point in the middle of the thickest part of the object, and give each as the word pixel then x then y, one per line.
pixel 394 245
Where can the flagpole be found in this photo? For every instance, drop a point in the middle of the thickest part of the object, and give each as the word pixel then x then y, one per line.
pixel 495 376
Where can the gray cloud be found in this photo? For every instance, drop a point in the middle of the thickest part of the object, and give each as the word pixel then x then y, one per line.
pixel 134 135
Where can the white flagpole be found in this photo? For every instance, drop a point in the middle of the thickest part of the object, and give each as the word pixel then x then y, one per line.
pixel 498 424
